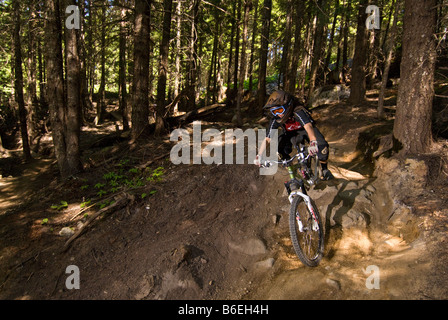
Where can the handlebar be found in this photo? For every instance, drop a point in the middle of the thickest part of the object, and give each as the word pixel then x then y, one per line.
pixel 302 155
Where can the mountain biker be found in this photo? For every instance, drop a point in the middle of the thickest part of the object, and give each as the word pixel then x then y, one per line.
pixel 287 113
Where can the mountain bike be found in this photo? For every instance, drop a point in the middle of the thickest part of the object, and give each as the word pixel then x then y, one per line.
pixel 305 224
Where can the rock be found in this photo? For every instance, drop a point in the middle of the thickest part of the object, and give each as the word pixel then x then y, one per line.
pixel 329 94
pixel 371 188
pixel 250 247
pixel 146 286
pixel 276 219
pixel 333 283
pixel 66 232
pixel 182 254
pixel 265 264
pixel 385 144
pixel 351 186
pixel 352 219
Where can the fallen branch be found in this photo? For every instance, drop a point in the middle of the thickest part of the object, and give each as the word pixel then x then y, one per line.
pixel 120 202
pixel 142 166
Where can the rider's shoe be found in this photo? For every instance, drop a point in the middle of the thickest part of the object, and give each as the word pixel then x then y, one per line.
pixel 327 175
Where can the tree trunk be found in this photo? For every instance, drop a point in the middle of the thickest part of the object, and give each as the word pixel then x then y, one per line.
pixel 177 75
pixel 18 82
pixel 101 103
pixel 163 67
pixel 306 54
pixel 32 101
pixel 319 39
pixel 345 42
pixel 73 99
pixel 55 83
pixel 267 7
pixel 286 55
pixel 247 8
pixel 212 75
pixel 237 49
pixel 123 100
pixel 330 41
pixel 291 78
pixel 229 92
pixel 252 49
pixel 193 57
pixel 389 53
pixel 412 127
pixel 140 107
pixel 358 81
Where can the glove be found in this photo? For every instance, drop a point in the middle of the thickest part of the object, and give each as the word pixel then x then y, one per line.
pixel 313 149
pixel 257 160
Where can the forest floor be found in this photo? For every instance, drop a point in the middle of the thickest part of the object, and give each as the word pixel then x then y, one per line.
pixel 221 231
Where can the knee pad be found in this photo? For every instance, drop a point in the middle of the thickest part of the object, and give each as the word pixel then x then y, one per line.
pixel 323 152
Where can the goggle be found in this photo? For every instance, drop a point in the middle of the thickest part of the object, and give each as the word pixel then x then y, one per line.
pixel 278 111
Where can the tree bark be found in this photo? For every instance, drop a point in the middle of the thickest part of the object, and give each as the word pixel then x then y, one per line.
pixel 32 100
pixel 319 39
pixel 291 79
pixel 247 8
pixel 267 7
pixel 101 103
pixel 163 67
pixel 237 49
pixel 330 42
pixel 73 127
pixel 140 107
pixel 389 53
pixel 18 82
pixel 358 81
pixel 193 57
pixel 286 54
pixel 178 52
pixel 123 99
pixel 412 126
pixel 252 49
pixel 55 83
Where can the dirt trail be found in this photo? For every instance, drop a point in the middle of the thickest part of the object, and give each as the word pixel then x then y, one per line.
pixel 221 232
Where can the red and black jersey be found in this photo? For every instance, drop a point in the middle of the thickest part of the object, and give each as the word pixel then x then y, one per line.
pixel 296 122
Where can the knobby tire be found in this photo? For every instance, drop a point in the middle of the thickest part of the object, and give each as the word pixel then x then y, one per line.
pixel 309 256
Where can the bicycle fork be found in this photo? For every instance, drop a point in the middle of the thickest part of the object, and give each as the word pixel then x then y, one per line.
pixel 307 200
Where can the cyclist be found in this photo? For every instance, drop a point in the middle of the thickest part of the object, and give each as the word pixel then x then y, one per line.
pixel 287 113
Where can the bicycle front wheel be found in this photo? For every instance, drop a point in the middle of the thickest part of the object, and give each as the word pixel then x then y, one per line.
pixel 307 233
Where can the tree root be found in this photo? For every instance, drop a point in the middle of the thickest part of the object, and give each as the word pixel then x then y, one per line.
pixel 121 201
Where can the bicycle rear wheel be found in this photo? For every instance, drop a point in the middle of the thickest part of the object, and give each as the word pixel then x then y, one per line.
pixel 307 233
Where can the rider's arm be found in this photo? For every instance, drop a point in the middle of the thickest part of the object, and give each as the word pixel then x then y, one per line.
pixel 263 146
pixel 310 131
pixel 306 122
pixel 272 125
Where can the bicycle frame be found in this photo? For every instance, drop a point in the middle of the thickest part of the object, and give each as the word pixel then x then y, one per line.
pixel 302 156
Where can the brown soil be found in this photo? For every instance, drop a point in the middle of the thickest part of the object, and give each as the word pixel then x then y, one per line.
pixel 221 231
